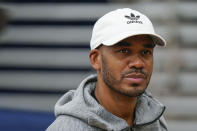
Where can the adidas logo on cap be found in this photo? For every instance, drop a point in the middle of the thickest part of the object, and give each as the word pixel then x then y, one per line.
pixel 133 19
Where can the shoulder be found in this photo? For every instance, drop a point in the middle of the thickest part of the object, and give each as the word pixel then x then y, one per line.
pixel 68 123
pixel 158 125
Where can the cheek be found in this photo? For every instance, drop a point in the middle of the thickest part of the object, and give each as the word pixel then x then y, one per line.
pixel 115 65
pixel 119 68
pixel 115 69
pixel 149 66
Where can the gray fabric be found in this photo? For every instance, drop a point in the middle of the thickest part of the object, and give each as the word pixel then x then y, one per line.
pixel 77 110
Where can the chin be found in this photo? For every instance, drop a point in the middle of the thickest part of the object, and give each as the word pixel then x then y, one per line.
pixel 134 90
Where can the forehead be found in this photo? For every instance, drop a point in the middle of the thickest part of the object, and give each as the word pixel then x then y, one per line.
pixel 139 40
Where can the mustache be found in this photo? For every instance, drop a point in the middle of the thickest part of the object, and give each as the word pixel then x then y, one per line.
pixel 135 70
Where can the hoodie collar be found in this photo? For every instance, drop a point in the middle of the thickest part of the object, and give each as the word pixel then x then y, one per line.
pixel 148 109
pixel 82 105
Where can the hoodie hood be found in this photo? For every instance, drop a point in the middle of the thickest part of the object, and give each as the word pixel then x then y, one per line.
pixel 81 105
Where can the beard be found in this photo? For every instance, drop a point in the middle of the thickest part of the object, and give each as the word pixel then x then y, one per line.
pixel 108 77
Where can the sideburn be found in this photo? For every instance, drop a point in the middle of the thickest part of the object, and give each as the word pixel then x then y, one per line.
pixel 106 74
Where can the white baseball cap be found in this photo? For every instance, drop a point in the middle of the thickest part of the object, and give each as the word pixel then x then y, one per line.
pixel 121 24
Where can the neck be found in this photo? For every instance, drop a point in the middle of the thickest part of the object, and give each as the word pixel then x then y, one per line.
pixel 116 103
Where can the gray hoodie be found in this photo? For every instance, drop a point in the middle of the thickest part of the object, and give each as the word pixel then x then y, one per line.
pixel 77 110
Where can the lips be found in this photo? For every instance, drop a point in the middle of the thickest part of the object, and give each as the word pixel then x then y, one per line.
pixel 135 77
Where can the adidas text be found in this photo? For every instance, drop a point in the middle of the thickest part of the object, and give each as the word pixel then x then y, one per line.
pixel 139 22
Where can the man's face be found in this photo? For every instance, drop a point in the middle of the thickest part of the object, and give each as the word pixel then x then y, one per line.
pixel 127 66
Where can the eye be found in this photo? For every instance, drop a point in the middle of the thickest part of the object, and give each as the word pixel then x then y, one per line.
pixel 146 52
pixel 124 50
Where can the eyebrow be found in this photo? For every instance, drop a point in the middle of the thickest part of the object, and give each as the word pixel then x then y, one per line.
pixel 123 43
pixel 149 45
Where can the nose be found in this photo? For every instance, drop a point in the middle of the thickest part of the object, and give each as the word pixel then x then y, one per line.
pixel 136 62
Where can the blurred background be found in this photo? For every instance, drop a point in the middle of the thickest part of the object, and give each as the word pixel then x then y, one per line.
pixel 44 46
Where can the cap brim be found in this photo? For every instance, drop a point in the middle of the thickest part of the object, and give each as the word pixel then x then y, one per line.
pixel 158 40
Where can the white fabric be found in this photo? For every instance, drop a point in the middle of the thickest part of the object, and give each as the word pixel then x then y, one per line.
pixel 120 24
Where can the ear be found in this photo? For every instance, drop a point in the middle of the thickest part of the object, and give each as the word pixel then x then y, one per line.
pixel 95 59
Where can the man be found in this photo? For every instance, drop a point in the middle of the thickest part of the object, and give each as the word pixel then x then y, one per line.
pixel 115 99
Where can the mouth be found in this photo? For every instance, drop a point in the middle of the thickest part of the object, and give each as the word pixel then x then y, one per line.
pixel 135 78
